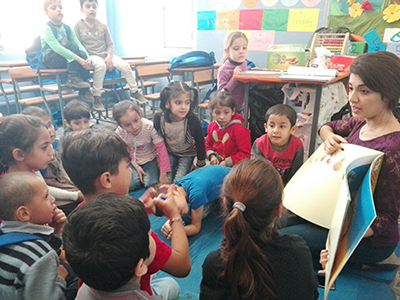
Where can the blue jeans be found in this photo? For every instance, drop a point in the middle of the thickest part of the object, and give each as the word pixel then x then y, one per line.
pixel 315 237
pixel 152 175
pixel 166 287
pixel 180 166
pixel 54 60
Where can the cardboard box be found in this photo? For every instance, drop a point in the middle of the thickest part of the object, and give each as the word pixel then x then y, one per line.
pixel 282 56
pixel 357 48
pixel 341 63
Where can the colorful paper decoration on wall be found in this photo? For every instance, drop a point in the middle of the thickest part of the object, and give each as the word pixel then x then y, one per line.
pixel 275 19
pixel 289 3
pixel 231 4
pixel 303 19
pixel 251 19
pixel 227 20
pixel 259 40
pixel 206 20
pixel 250 3
pixel 374 41
pixel 260 19
pixel 310 3
pixel 269 3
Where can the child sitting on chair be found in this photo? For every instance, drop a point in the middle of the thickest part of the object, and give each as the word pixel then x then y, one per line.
pixel 62 50
pixel 96 38
pixel 279 145
pixel 76 116
pixel 110 257
pixel 30 268
pixel 196 193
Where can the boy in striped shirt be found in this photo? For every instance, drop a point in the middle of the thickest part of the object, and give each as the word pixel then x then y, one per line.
pixel 30 268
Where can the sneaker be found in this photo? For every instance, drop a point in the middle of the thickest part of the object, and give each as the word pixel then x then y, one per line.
pixel 98 105
pixel 138 97
pixel 86 95
pixel 75 81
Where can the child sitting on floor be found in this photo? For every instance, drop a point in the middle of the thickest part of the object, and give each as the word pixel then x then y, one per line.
pixel 228 141
pixel 98 162
pixel 54 175
pixel 76 116
pixel 279 145
pixel 145 146
pixel 196 193
pixel 110 257
pixel 180 128
pixel 25 145
pixel 30 268
pixel 254 260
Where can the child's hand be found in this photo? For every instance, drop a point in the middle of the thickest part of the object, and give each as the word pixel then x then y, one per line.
pixel 214 160
pixel 62 272
pixel 223 163
pixel 62 254
pixel 255 69
pixel 148 201
pixel 109 63
pixel 332 143
pixel 163 178
pixel 166 230
pixel 168 206
pixel 237 70
pixel 58 221
pixel 323 260
pixel 140 172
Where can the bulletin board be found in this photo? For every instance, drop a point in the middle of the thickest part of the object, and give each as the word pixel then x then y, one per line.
pixel 362 16
pixel 264 22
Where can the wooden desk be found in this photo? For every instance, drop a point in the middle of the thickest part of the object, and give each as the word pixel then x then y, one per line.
pixel 272 79
pixel 12 64
pixel 134 57
pixel 182 71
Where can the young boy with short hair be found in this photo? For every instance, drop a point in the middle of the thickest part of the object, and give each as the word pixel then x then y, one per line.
pixel 110 257
pixel 30 268
pixel 195 193
pixel 62 50
pixel 98 162
pixel 76 116
pixel 96 38
pixel 279 145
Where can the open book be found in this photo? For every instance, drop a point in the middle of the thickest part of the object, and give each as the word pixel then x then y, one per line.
pixel 327 191
pixel 309 74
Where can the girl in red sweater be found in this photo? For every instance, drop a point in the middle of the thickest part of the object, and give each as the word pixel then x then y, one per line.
pixel 228 141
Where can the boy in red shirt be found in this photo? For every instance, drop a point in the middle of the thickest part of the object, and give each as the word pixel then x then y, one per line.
pixel 279 145
pixel 98 162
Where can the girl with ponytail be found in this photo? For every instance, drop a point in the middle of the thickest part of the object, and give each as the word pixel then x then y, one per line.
pixel 180 128
pixel 254 260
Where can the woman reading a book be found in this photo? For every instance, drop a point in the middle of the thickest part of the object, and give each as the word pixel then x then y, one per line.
pixel 374 96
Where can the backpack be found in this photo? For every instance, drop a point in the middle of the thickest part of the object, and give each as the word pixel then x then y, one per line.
pixel 193 59
pixel 34 54
pixel 11 238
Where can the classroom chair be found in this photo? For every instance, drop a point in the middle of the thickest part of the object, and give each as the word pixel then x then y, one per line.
pixel 5 92
pixel 24 75
pixel 147 72
pixel 201 79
